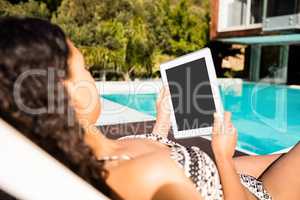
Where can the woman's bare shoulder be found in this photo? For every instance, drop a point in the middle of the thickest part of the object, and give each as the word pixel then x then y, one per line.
pixel 141 177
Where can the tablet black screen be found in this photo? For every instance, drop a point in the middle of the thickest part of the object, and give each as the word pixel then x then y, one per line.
pixel 191 95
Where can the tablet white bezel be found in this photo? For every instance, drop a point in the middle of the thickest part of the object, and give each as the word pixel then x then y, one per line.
pixel 206 54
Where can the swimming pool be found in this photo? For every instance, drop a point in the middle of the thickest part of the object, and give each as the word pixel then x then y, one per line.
pixel 266 116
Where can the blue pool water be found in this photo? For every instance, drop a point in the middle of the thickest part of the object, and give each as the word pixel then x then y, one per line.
pixel 266 116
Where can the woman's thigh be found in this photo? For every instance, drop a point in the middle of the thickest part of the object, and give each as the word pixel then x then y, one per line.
pixel 281 179
pixel 254 165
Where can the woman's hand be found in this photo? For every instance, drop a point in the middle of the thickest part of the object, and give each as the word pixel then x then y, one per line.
pixel 223 143
pixel 224 137
pixel 162 125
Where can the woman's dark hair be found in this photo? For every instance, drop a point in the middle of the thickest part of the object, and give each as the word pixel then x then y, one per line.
pixel 35 45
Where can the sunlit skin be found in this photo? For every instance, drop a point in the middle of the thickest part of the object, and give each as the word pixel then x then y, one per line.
pixel 82 88
pixel 151 173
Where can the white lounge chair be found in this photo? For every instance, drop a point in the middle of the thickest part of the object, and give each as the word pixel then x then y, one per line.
pixel 27 172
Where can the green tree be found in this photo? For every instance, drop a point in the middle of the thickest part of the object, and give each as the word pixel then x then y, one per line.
pixel 4 5
pixel 112 34
pixel 185 29
pixel 51 4
pixel 128 36
pixel 178 26
pixel 30 9
pixel 140 48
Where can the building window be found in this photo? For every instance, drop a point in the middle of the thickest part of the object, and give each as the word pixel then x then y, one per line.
pixel 279 7
pixel 270 62
pixel 239 14
pixel 237 10
pixel 256 11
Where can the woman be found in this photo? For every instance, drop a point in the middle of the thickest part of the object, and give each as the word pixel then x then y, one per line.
pixel 36 60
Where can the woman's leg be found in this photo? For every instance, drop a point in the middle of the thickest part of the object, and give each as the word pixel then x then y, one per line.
pixel 281 179
pixel 254 165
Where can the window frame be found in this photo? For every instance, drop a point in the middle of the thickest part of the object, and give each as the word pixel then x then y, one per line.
pixel 246 26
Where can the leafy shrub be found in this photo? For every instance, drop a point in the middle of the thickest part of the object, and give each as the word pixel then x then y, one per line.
pixel 129 36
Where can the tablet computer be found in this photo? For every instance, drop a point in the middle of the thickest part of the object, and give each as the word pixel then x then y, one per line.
pixel 194 93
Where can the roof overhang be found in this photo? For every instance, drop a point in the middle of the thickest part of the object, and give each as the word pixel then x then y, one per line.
pixel 264 40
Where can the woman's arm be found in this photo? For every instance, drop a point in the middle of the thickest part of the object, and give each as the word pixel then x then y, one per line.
pixel 232 187
pixel 223 144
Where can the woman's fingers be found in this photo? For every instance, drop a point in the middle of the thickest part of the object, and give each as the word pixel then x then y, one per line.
pixel 165 100
pixel 223 126
pixel 227 117
pixel 217 126
pixel 227 123
pixel 164 92
pixel 161 94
